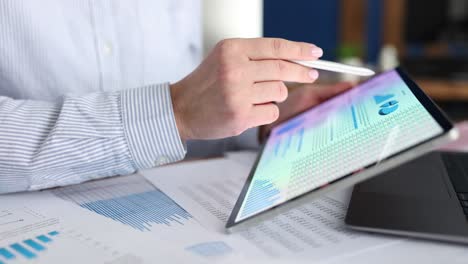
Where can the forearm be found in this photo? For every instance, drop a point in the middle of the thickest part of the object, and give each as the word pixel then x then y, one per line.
pixel 102 134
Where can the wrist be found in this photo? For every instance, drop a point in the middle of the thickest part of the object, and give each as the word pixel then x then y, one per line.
pixel 177 106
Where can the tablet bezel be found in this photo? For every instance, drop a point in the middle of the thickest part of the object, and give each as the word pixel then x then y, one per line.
pixel 448 133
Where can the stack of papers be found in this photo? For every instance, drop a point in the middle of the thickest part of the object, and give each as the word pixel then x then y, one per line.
pixel 312 233
pixel 41 228
pixel 177 214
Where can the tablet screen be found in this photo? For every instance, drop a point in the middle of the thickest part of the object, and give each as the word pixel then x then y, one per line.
pixel 352 131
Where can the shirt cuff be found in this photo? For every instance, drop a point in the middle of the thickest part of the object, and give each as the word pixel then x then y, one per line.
pixel 150 126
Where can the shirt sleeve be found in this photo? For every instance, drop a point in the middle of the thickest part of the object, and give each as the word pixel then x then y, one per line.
pixel 44 144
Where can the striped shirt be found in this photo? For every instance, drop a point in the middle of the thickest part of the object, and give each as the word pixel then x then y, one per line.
pixel 84 88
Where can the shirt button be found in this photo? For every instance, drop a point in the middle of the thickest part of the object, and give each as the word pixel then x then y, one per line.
pixel 107 48
pixel 162 160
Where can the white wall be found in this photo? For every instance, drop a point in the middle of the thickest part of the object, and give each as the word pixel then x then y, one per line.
pixel 231 18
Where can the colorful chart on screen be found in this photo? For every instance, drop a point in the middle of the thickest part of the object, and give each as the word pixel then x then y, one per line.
pixel 379 118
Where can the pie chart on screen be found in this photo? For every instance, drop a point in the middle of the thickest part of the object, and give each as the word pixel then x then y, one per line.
pixel 382 98
pixel 388 107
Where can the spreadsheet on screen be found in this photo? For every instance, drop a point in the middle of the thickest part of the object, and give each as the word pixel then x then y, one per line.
pixel 379 118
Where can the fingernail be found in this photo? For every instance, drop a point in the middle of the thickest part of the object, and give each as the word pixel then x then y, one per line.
pixel 313 74
pixel 317 52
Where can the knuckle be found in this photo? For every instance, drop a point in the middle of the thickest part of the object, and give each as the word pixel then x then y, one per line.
pixel 227 98
pixel 303 50
pixel 231 104
pixel 282 91
pixel 226 47
pixel 237 121
pixel 231 114
pixel 278 45
pixel 274 113
pixel 280 67
pixel 228 68
pixel 229 74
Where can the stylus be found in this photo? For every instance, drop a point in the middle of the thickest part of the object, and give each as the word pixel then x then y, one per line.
pixel 336 67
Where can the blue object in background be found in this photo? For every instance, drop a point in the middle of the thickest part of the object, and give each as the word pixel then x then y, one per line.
pixel 374 29
pixel 318 22
pixel 304 20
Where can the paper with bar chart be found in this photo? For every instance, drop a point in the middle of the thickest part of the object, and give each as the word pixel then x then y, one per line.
pixel 27 247
pixel 336 138
pixel 41 228
pixel 133 201
pixel 130 200
pixel 30 248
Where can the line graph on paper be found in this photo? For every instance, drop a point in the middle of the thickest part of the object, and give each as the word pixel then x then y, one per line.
pixel 12 217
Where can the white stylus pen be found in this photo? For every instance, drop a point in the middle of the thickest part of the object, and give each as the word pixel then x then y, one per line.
pixel 336 67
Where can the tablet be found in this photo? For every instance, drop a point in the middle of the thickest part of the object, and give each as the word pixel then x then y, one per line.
pixel 373 127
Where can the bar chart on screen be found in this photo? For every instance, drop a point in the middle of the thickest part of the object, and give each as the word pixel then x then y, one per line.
pixel 130 200
pixel 264 194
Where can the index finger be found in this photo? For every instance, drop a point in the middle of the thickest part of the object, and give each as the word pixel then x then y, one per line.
pixel 277 48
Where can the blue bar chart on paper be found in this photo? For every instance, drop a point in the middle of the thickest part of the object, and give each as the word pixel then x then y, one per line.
pixel 130 200
pixel 210 249
pixel 29 248
pixel 30 232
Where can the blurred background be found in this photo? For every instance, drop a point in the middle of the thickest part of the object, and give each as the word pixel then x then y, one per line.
pixel 429 38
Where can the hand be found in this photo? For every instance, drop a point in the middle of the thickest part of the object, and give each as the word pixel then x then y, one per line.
pixel 236 86
pixel 301 99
